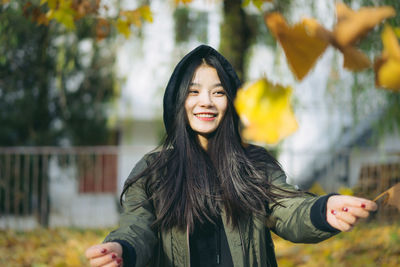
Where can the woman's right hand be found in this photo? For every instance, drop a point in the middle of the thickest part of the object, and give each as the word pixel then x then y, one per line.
pixel 106 254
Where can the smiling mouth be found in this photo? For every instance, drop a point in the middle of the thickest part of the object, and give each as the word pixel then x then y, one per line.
pixel 206 116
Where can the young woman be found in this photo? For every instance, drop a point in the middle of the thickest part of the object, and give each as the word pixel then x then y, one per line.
pixel 206 198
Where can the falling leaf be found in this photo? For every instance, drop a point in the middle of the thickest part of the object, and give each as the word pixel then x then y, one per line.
pixel 302 49
pixel 304 42
pixel 353 59
pixel 387 66
pixel 351 25
pixel 265 111
pixel 392 196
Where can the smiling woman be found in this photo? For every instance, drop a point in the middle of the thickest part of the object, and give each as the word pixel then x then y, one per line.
pixel 205 197
pixel 206 102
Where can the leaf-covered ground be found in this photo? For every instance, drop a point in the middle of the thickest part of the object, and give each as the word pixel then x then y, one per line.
pixel 367 245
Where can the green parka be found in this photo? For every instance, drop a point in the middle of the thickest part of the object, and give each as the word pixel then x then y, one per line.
pixel 250 244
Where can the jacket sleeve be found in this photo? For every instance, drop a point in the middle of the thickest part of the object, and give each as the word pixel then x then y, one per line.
pixel 292 219
pixel 135 223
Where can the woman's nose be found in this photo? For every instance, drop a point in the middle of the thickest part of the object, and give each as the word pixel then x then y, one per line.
pixel 205 99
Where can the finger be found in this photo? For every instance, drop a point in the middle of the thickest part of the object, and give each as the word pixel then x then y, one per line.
pixel 343 226
pixel 346 217
pixel 104 260
pixel 355 211
pixel 115 263
pixel 96 251
pixel 360 203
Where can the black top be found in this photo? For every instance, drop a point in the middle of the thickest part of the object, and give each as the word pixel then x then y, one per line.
pixel 209 246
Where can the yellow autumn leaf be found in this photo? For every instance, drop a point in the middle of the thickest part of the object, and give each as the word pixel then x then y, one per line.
pixel 353 59
pixel 132 17
pixel 390 43
pixel 304 42
pixel 146 13
pixel 123 27
pixel 389 75
pixel 136 15
pixel 302 48
pixel 265 111
pixel 66 17
pixel 391 196
pixel 352 25
pixel 345 191
pixel 387 66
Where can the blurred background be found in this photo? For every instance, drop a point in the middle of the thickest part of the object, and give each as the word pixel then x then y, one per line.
pixel 81 87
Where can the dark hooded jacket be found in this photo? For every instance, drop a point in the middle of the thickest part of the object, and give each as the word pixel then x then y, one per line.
pixel 298 219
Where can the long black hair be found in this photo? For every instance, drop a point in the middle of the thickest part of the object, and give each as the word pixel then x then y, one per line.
pixel 193 185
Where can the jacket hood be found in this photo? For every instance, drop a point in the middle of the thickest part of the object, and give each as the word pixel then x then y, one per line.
pixel 170 95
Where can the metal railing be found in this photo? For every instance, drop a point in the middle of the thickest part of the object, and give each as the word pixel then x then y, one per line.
pixel 25 174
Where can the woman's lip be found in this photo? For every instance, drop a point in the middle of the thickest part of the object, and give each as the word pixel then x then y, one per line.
pixel 214 115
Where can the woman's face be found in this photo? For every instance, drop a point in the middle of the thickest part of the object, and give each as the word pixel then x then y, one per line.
pixel 206 102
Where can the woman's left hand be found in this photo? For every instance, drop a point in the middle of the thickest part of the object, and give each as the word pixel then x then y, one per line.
pixel 343 212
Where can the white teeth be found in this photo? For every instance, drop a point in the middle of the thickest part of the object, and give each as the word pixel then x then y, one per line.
pixel 205 115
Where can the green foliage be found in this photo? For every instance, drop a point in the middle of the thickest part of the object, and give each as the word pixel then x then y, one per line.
pixel 52 91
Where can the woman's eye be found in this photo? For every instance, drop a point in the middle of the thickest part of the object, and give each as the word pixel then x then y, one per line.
pixel 220 93
pixel 193 91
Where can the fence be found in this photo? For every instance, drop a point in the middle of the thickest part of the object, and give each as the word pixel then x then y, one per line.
pixel 38 182
pixel 26 173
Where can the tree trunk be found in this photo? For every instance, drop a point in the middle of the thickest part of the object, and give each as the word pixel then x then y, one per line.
pixel 235 35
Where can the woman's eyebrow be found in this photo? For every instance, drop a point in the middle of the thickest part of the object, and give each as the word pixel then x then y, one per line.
pixel 214 85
